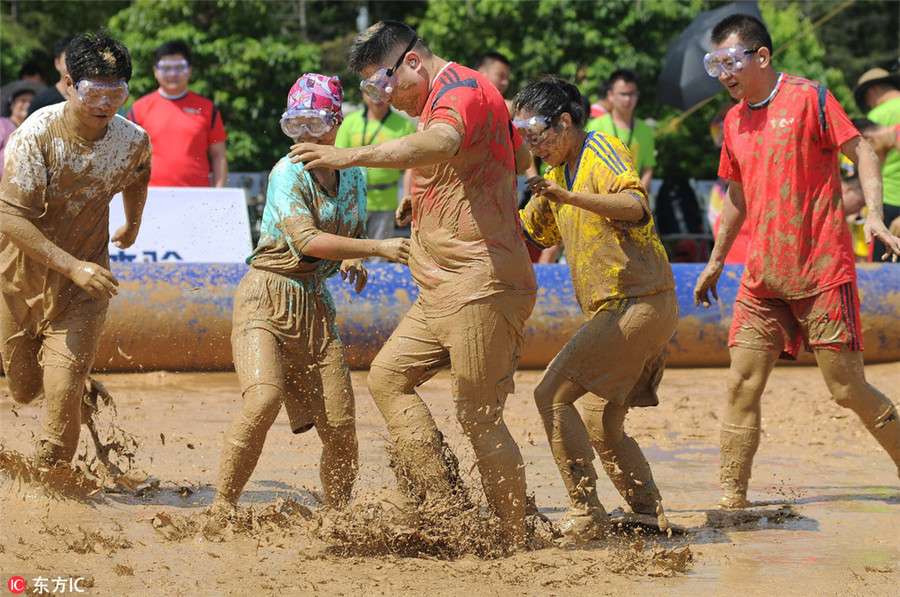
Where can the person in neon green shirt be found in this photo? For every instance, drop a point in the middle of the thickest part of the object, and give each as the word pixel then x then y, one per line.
pixel 377 123
pixel 878 91
pixel 620 122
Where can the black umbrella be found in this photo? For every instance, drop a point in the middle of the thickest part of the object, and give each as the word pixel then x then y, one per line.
pixel 684 82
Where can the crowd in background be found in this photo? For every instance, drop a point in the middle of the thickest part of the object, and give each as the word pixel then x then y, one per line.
pixel 189 136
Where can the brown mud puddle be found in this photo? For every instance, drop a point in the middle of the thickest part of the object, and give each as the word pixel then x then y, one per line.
pixel 826 504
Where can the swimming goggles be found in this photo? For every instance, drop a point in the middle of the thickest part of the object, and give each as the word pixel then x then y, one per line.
pixel 533 130
pixel 93 93
pixel 314 123
pixel 173 67
pixel 727 60
pixel 382 83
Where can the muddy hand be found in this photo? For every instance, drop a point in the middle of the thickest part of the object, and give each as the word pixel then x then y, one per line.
pixel 96 280
pixel 706 284
pixel 353 270
pixel 890 238
pixel 320 156
pixel 403 215
pixel 895 227
pixel 125 236
pixel 395 249
pixel 541 187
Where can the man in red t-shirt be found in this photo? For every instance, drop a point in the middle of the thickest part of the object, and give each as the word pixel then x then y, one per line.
pixel 186 129
pixel 467 256
pixel 782 143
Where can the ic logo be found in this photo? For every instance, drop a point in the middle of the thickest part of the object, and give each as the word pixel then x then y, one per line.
pixel 16 584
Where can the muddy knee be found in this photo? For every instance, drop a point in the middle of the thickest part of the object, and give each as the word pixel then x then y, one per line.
pixel 857 397
pixel 384 384
pixel 259 409
pixel 543 397
pixel 340 448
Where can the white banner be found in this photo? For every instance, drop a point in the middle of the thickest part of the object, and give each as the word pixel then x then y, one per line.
pixel 187 225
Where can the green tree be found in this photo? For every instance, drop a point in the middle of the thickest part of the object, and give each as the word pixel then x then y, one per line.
pixel 249 52
pixel 585 41
pixel 29 30
pixel 861 36
pixel 689 148
pixel 580 41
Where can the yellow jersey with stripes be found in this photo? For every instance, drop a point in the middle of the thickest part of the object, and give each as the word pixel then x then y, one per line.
pixel 608 259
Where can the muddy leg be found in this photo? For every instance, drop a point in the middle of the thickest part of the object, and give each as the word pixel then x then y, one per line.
pixel 417 441
pixel 571 447
pixel 502 473
pixel 886 430
pixel 245 440
pixel 339 463
pixel 846 380
pixel 737 448
pixel 622 458
pixel 64 390
pixel 739 439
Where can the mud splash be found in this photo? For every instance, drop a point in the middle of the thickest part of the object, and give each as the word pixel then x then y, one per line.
pixel 282 518
pixel 60 481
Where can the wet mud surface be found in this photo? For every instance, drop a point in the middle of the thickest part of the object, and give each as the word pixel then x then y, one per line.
pixel 824 516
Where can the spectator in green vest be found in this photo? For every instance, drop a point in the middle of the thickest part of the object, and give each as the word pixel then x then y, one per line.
pixel 620 122
pixel 377 123
pixel 878 96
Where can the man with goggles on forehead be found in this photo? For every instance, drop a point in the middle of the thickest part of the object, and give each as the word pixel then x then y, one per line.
pixel 781 151
pixel 186 129
pixel 467 256
pixel 63 166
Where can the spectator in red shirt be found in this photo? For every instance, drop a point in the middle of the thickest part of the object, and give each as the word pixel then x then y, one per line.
pixel 186 129
pixel 781 152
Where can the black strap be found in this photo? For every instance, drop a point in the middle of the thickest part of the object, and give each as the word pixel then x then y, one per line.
pixel 366 125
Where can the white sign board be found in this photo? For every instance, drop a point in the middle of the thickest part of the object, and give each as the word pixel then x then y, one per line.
pixel 187 225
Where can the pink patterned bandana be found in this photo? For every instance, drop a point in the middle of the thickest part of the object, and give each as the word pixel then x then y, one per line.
pixel 316 92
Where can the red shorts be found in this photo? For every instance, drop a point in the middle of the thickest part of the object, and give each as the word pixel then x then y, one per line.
pixel 829 320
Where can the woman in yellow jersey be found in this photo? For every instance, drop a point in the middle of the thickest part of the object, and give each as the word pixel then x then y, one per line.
pixel 591 199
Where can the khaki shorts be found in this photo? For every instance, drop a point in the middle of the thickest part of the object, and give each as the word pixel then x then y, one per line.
pixel 70 342
pixel 619 355
pixel 284 335
pixel 480 343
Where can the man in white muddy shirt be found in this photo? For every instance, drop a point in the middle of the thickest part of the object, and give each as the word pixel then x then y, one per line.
pixel 63 166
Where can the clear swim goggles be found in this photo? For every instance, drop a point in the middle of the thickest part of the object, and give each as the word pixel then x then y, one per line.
pixel 533 130
pixel 173 67
pixel 383 82
pixel 314 123
pixel 727 60
pixel 94 93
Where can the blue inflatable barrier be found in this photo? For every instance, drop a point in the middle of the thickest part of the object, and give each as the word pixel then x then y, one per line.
pixel 178 316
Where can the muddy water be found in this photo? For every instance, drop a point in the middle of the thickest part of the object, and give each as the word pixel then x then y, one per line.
pixel 826 501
